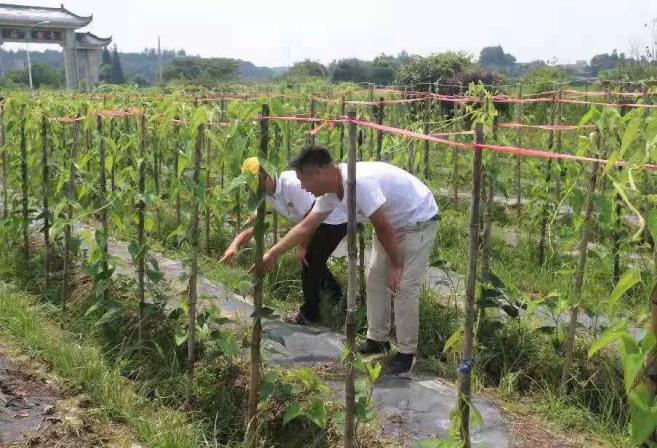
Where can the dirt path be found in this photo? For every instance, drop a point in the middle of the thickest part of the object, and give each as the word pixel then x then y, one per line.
pixel 38 411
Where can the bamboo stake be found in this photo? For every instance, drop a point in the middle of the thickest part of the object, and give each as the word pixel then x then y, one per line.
pixel 427 118
pixel 46 211
pixel 579 274
pixel 518 173
pixel 176 161
pixel 141 206
pixel 488 215
pixel 379 134
pixel 465 395
pixel 548 179
pixel 69 212
pixel 101 194
pixel 259 273
pixel 350 394
pixel 208 188
pixel 25 197
pixel 5 168
pixel 342 112
pixel 193 271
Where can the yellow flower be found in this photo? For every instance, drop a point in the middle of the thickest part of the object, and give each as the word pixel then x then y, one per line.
pixel 251 165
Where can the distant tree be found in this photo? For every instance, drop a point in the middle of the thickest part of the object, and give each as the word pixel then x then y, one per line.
pixel 351 69
pixel 441 66
pixel 116 73
pixel 472 74
pixel 496 59
pixel 606 61
pixel 308 68
pixel 105 71
pixel 381 70
pixel 105 65
pixel 43 75
pixel 404 58
pixel 107 57
pixel 204 71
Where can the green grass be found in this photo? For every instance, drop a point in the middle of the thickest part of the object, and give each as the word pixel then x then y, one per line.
pixel 29 325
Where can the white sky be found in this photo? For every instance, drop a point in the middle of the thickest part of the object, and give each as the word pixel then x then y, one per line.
pixel 265 32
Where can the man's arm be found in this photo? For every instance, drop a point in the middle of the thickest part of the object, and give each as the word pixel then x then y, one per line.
pixel 299 234
pixel 388 238
pixel 234 247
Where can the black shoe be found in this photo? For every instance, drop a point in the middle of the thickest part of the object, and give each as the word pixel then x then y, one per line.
pixel 297 318
pixel 371 347
pixel 401 364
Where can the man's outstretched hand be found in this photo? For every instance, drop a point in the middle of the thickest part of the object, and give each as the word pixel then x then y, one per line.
pixel 269 261
pixel 229 255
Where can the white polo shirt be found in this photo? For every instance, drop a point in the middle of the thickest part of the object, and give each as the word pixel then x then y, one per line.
pixel 404 199
pixel 293 202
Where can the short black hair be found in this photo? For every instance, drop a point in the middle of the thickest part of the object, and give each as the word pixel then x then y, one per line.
pixel 312 156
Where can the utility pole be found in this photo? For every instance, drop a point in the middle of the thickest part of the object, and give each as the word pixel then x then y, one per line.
pixel 159 61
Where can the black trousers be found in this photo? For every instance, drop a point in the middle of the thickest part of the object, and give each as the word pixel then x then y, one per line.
pixel 317 276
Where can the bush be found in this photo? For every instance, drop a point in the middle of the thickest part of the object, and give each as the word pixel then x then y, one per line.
pixel 441 66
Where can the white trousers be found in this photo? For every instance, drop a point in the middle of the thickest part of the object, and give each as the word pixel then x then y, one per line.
pixel 415 245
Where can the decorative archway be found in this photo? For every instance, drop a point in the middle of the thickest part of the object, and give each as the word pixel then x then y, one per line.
pixel 37 24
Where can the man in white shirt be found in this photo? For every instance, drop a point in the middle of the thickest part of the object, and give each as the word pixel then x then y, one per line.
pixel 404 214
pixel 285 195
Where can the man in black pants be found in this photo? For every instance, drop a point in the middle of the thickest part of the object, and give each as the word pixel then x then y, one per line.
pixel 286 196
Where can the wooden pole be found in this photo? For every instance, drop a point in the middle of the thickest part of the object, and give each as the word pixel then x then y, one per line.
pixel 427 118
pixel 193 271
pixel 208 189
pixel 5 168
pixel 465 369
pixel 311 136
pixel 519 118
pixel 651 367
pixel 548 180
pixel 370 146
pixel 141 240
pixel 411 156
pixel 114 159
pixel 69 213
pixel 455 151
pixel 342 112
pixel 176 161
pixel 488 216
pixel 25 198
pixel 618 209
pixel 259 273
pixel 46 211
pixel 352 284
pixel 361 237
pixel 379 134
pixel 579 274
pixel 274 217
pixel 101 191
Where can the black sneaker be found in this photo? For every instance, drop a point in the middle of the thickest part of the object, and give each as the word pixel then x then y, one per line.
pixel 371 347
pixel 297 318
pixel 401 364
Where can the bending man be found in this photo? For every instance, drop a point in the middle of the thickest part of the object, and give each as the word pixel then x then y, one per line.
pixel 404 215
pixel 287 197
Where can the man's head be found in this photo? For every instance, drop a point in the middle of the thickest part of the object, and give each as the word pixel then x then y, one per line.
pixel 315 169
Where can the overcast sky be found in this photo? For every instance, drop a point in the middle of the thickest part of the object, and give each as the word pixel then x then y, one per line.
pixel 278 32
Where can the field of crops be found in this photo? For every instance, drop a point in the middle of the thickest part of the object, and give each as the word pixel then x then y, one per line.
pixel 547 223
